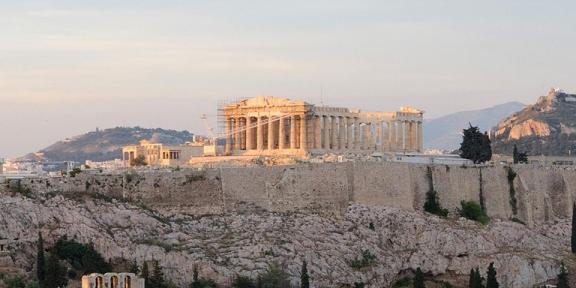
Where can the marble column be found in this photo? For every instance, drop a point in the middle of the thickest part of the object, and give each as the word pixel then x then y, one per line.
pixel 282 133
pixel 303 133
pixel 334 133
pixel 342 133
pixel 237 133
pixel 326 136
pixel 259 133
pixel 293 132
pixel 392 135
pixel 249 136
pixel 378 138
pixel 404 136
pixel 271 142
pixel 228 132
pixel 357 140
pixel 349 133
pixel 317 132
pixel 420 138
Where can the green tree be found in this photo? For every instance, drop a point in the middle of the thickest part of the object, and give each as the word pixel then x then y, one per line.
pixel 55 273
pixel 473 211
pixel 199 282
pixel 304 278
pixel 157 280
pixel 491 281
pixel 519 157
pixel 432 204
pixel 134 268
pixel 243 282
pixel 419 279
pixel 563 277
pixel 140 160
pixel 573 239
pixel 273 277
pixel 475 145
pixel 40 262
pixel 145 273
pixel 475 280
pixel 14 282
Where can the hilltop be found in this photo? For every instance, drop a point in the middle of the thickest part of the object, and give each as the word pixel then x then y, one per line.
pixel 547 127
pixel 102 145
pixel 446 132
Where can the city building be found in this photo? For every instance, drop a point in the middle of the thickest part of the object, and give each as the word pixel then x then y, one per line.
pixel 155 154
pixel 269 125
pixel 112 280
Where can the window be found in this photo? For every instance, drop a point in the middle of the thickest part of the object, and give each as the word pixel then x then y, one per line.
pixel 99 282
pixel 127 282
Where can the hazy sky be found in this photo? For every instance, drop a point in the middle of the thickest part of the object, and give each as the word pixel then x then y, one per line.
pixel 67 67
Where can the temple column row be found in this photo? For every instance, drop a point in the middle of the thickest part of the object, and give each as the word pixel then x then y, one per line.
pixel 322 132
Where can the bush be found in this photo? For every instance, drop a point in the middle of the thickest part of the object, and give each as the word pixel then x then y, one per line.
pixel 432 204
pixel 81 256
pixel 243 282
pixel 14 282
pixel 273 277
pixel 368 259
pixel 472 210
pixel 75 172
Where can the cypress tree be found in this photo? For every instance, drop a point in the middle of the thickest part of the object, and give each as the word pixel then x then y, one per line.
pixel 419 279
pixel 573 240
pixel 157 279
pixel 475 280
pixel 55 273
pixel 40 262
pixel 304 278
pixel 134 268
pixel 515 154
pixel 563 277
pixel 491 281
pixel 145 274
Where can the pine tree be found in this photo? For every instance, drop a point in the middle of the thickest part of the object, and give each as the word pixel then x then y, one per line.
pixel 55 273
pixel 419 279
pixel 157 280
pixel 40 262
pixel 475 145
pixel 475 280
pixel 563 277
pixel 134 268
pixel 573 240
pixel 491 281
pixel 304 278
pixel 145 274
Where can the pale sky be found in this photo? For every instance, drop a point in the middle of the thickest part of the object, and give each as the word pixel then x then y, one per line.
pixel 67 67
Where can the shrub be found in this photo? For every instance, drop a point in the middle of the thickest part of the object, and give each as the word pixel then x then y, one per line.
pixel 472 210
pixel 273 277
pixel 14 282
pixel 432 204
pixel 403 283
pixel 368 259
pixel 81 256
pixel 243 282
pixel 513 202
pixel 74 172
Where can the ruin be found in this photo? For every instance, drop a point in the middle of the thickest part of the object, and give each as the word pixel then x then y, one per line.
pixel 267 125
pixel 112 280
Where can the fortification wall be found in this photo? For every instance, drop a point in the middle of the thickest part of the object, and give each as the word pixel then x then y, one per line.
pixel 541 193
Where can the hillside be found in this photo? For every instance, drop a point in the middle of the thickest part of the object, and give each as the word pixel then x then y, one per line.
pixel 445 132
pixel 101 145
pixel 235 243
pixel 547 127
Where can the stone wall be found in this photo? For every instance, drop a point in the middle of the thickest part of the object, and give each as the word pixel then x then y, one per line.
pixel 542 193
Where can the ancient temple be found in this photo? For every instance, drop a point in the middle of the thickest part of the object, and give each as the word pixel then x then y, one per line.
pixel 268 125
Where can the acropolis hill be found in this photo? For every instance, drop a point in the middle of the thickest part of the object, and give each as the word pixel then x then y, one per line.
pixel 238 220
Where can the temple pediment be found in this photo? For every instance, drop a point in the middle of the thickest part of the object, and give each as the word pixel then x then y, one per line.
pixel 270 101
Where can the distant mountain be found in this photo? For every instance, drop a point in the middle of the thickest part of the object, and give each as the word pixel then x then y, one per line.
pixel 545 128
pixel 445 132
pixel 101 145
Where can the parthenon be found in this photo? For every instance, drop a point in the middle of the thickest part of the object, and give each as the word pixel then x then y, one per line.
pixel 267 125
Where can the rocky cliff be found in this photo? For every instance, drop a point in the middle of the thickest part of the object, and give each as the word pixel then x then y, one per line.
pixel 246 243
pixel 547 127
